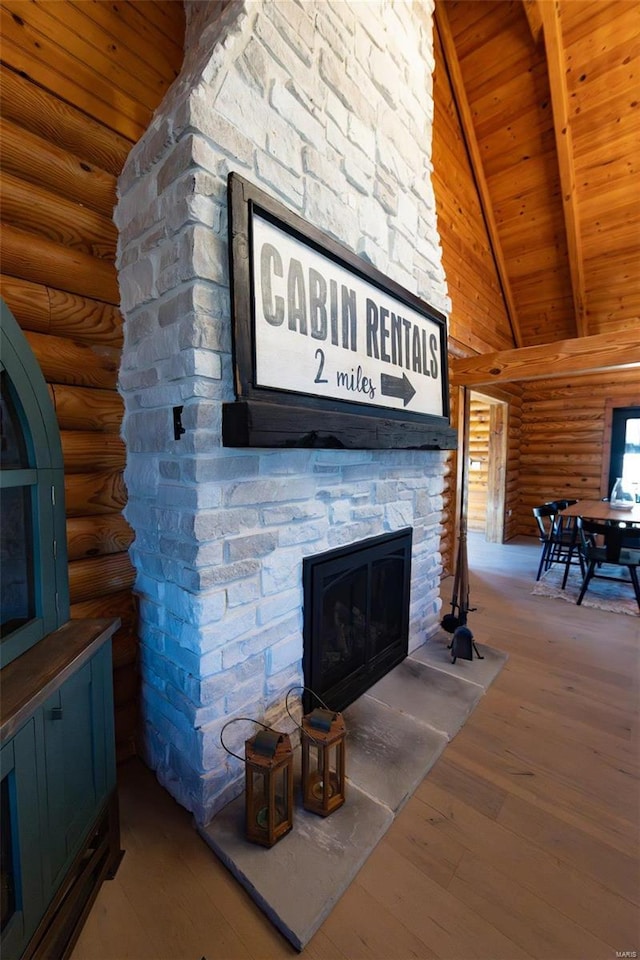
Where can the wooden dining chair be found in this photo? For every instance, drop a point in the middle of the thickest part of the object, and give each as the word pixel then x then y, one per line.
pixel 558 542
pixel 544 515
pixel 567 522
pixel 567 534
pixel 605 544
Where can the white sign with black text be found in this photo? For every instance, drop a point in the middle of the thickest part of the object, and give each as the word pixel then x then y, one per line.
pixel 321 329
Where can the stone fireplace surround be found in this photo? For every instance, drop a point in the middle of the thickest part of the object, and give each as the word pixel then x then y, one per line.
pixel 328 107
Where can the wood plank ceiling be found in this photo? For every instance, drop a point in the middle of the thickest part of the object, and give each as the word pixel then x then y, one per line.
pixel 547 94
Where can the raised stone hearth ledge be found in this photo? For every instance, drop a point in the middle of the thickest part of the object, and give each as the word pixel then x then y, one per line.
pixel 396 732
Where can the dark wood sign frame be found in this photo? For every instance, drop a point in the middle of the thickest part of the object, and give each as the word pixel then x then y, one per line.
pixel 267 417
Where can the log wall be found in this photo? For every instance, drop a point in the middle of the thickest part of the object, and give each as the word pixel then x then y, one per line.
pixel 511 395
pixel 565 437
pixel 478 483
pixel 80 82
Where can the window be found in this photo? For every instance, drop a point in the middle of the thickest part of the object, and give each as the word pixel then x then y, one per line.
pixel 625 448
pixel 34 594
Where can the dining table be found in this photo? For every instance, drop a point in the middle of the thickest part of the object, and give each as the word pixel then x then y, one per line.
pixel 602 510
pixel 599 510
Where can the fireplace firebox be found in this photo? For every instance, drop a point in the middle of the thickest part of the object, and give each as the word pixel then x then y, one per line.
pixel 356 616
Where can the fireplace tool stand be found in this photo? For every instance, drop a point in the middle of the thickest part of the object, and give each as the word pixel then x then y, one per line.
pixel 462 643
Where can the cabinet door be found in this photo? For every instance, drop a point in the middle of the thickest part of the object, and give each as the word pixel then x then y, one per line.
pixel 22 880
pixel 80 771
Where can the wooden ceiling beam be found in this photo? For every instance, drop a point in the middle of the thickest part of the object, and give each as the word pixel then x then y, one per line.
pixel 534 18
pixel 473 150
pixel 556 65
pixel 549 360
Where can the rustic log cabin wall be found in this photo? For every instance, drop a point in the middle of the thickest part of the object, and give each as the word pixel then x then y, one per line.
pixel 565 437
pixel 80 82
pixel 479 431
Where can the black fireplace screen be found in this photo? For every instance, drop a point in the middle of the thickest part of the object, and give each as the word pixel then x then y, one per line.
pixel 356 616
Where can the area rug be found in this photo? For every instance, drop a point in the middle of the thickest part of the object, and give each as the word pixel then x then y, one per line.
pixel 611 595
pixel 395 733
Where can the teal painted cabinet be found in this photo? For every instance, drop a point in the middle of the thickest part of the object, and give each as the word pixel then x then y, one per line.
pixel 59 810
pixel 77 723
pixel 22 886
pixel 59 828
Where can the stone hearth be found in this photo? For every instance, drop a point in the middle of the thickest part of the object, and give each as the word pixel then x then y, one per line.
pixel 396 732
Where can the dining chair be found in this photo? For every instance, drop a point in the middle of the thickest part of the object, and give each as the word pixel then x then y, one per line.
pixel 565 523
pixel 605 543
pixel 567 533
pixel 544 519
pixel 562 505
pixel 558 541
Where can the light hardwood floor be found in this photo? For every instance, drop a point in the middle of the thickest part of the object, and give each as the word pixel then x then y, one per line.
pixel 522 841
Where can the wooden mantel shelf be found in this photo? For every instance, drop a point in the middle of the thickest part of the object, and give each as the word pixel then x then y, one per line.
pixel 31 678
pixel 258 423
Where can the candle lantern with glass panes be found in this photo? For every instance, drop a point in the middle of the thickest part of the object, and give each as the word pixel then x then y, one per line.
pixel 323 736
pixel 268 787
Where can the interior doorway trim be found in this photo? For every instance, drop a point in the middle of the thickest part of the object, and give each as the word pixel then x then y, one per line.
pixel 496 494
pixel 496 460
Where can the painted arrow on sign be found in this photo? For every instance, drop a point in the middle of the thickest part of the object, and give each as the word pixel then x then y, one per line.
pixel 396 387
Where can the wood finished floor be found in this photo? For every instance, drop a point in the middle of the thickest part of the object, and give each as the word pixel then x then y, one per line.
pixel 521 842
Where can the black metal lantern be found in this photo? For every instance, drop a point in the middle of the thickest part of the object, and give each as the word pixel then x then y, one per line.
pixel 323 735
pixel 268 787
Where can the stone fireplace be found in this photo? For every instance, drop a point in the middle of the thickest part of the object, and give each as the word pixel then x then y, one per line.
pixel 327 107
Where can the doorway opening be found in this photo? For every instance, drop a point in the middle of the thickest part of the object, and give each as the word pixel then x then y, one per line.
pixel 487 466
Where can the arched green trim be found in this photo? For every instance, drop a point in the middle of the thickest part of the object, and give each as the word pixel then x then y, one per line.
pixel 42 481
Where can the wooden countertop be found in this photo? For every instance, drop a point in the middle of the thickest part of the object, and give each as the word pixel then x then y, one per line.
pixel 32 677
